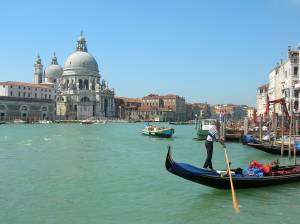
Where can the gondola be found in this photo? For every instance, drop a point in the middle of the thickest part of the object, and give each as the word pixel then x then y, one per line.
pixel 272 149
pixel 215 178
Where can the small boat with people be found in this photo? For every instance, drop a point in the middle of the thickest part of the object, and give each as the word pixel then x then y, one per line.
pixel 255 175
pixel 152 130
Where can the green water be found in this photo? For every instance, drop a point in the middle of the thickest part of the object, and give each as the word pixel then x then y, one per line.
pixel 110 173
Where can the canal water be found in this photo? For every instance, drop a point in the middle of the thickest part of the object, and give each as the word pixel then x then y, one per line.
pixel 110 173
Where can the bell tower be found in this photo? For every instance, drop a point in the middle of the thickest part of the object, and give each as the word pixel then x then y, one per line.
pixel 38 70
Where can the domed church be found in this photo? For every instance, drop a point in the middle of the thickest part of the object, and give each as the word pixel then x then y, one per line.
pixel 81 93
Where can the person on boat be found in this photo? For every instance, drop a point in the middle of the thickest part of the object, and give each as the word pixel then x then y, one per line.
pixel 213 136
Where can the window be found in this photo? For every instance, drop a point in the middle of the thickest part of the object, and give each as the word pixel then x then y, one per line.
pixel 19 94
pixel 35 95
pixel 295 71
pixel 45 96
pixel 3 86
pixel 19 87
pixel 11 93
pixel 45 90
pixel 28 88
pixel 23 94
pixel 24 87
pixel 11 87
pixel 28 94
pixel 49 96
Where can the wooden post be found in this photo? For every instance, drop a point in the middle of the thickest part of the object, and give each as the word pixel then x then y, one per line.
pixel 282 127
pixel 221 129
pixel 275 129
pixel 260 129
pixel 224 130
pixel 245 126
pixel 294 133
pixel 290 133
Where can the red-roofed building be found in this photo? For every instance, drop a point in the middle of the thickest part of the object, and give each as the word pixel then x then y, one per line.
pixel 27 101
pixel 163 108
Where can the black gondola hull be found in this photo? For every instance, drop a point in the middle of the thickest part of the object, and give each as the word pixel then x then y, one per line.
pixel 215 180
pixel 272 149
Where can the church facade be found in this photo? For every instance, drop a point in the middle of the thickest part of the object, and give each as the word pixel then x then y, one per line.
pixel 81 93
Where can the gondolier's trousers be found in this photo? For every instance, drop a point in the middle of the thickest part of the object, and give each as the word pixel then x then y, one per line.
pixel 209 150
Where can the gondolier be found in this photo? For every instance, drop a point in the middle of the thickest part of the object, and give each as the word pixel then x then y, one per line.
pixel 213 136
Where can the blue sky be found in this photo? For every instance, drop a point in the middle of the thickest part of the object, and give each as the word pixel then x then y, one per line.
pixel 207 51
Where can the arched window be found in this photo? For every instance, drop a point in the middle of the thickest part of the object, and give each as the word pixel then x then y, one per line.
pixel 85 99
pixel 3 107
pixel 86 84
pixel 24 108
pixel 80 83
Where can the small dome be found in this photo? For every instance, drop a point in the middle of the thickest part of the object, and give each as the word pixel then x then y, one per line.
pixel 81 60
pixel 53 71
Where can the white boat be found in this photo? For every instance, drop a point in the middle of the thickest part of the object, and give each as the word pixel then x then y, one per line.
pixel 19 121
pixel 44 122
pixel 88 122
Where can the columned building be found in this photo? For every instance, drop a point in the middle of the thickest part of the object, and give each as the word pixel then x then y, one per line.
pixel 81 95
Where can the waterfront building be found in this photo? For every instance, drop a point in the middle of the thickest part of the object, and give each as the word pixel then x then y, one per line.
pixel 261 99
pixel 128 108
pixel 199 111
pixel 26 101
pixel 81 93
pixel 229 112
pixel 163 108
pixel 75 91
pixel 251 114
pixel 283 83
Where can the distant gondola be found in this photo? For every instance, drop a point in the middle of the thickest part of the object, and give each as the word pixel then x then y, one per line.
pixel 216 180
pixel 272 149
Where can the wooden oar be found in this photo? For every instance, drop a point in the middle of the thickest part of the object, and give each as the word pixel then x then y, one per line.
pixel 234 200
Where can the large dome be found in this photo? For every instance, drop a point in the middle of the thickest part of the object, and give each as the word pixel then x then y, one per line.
pixel 53 71
pixel 81 60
